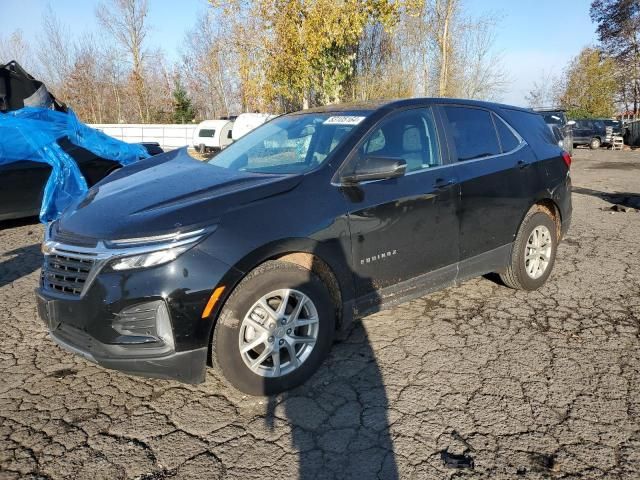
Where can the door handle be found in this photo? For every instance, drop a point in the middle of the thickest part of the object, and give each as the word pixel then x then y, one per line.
pixel 442 183
pixel 522 164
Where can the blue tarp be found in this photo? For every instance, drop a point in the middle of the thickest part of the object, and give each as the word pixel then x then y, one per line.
pixel 32 133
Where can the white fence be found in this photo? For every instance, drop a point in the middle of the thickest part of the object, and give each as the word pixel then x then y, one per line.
pixel 168 136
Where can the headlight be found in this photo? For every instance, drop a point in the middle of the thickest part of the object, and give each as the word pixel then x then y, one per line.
pixel 147 252
pixel 150 259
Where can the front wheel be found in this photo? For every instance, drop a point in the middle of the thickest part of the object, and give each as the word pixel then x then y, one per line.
pixel 533 253
pixel 275 329
pixel 595 144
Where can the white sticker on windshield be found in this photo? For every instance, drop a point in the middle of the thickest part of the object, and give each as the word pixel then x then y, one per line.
pixel 343 120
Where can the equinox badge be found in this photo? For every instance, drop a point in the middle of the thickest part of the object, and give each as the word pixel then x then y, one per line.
pixel 380 256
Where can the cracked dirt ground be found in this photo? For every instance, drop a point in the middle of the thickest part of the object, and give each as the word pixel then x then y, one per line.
pixel 530 385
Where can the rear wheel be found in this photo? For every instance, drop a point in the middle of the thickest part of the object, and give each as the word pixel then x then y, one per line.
pixel 275 329
pixel 533 253
pixel 595 143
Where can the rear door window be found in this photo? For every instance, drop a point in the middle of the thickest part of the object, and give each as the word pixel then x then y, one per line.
pixel 508 140
pixel 473 132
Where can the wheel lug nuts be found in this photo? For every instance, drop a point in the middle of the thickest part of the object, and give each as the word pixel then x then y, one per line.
pixel 270 339
pixel 283 321
pixel 289 331
pixel 281 342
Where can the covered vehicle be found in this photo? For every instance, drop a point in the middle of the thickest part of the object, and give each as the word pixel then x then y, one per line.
pixel 22 183
pixel 48 158
pixel 212 135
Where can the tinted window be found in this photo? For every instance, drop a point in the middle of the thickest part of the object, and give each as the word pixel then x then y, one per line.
pixel 473 132
pixel 207 132
pixel 409 135
pixel 532 128
pixel 507 139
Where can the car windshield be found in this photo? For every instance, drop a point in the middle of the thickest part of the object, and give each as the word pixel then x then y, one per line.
pixel 290 144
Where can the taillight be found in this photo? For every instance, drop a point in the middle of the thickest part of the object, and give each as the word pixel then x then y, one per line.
pixel 567 159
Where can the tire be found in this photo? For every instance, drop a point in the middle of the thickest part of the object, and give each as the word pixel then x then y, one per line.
pixel 595 144
pixel 231 328
pixel 516 274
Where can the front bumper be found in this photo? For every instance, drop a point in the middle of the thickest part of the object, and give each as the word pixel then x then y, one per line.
pixel 187 367
pixel 86 324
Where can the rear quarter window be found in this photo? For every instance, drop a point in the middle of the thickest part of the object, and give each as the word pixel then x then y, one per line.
pixel 508 141
pixel 532 128
pixel 473 132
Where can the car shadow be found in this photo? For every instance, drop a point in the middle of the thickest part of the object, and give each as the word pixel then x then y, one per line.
pixel 340 416
pixel 19 262
pixel 626 199
pixel 18 222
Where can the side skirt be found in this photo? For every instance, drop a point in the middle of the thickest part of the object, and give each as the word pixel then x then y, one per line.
pixel 492 261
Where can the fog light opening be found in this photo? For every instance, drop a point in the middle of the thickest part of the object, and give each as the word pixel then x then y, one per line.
pixel 163 326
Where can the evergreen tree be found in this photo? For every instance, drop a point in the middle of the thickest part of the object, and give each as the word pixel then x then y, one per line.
pixel 182 107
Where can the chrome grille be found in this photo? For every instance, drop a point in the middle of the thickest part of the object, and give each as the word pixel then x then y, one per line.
pixel 65 274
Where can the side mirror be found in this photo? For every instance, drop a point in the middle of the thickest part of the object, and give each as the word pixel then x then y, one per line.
pixel 571 123
pixel 375 168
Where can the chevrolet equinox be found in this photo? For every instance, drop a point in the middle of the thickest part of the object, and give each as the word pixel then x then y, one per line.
pixel 252 261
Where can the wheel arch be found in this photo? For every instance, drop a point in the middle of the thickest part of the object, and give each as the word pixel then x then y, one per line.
pixel 327 261
pixel 549 206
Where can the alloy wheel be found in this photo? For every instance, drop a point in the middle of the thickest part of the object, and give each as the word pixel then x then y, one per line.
pixel 538 252
pixel 278 333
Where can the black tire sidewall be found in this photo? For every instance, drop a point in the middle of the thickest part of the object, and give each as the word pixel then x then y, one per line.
pixel 225 341
pixel 533 221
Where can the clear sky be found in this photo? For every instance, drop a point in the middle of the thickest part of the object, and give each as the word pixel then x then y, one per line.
pixel 534 36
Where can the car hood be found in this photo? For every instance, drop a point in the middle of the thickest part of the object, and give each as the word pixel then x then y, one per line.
pixel 164 194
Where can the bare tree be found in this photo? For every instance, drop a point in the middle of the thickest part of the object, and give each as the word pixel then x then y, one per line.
pixel 206 62
pixel 126 21
pixel 545 92
pixel 14 47
pixel 55 51
pixel 477 70
pixel 444 16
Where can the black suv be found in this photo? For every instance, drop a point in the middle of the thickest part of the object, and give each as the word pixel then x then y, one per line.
pixel 251 261
pixel 593 132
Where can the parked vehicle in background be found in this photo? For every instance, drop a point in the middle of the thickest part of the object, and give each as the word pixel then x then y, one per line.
pixel 247 122
pixel 212 135
pixel 152 148
pixel 616 125
pixel 22 183
pixel 557 134
pixel 252 260
pixel 591 132
pixel 558 117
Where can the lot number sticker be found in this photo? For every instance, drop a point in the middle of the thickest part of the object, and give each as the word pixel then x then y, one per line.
pixel 343 120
